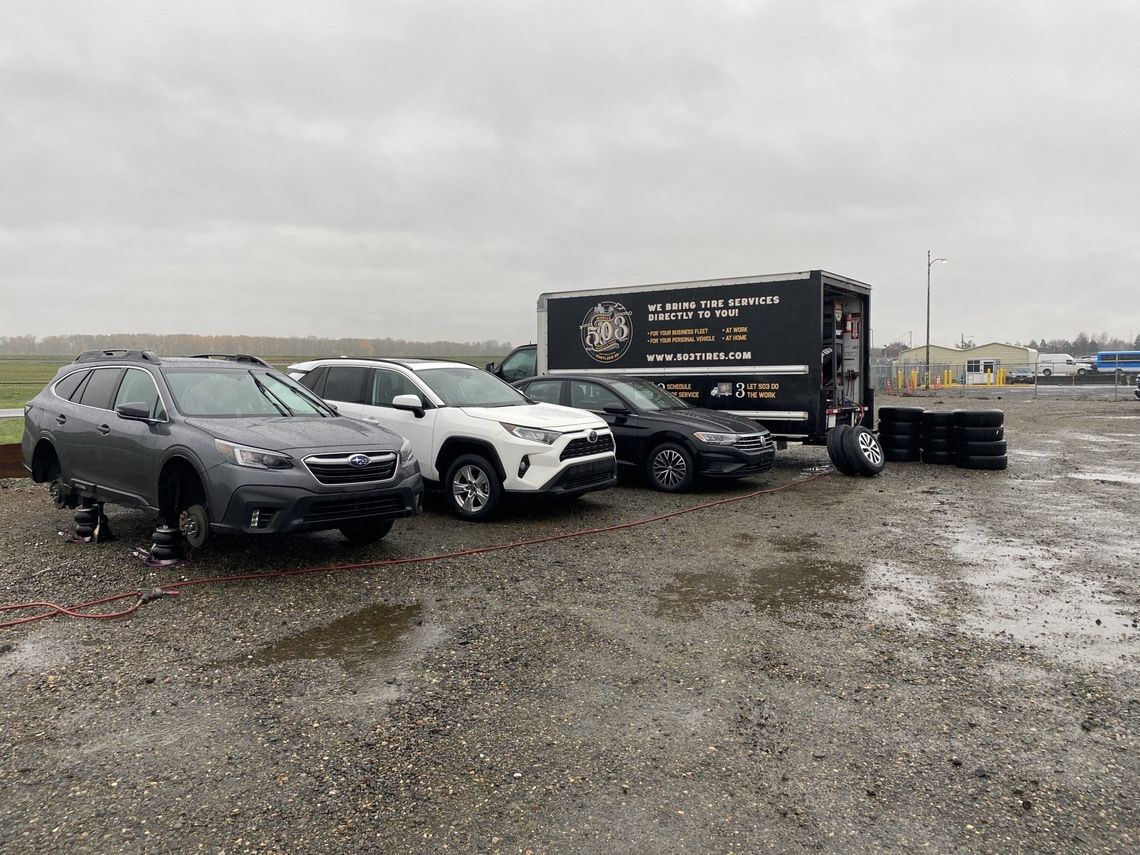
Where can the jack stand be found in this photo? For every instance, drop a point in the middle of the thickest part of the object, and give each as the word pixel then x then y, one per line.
pixel 165 549
pixel 92 525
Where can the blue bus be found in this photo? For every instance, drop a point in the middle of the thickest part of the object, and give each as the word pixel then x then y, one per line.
pixel 1120 361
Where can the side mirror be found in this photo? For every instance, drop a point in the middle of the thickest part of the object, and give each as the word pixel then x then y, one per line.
pixel 616 410
pixel 490 366
pixel 410 403
pixel 135 411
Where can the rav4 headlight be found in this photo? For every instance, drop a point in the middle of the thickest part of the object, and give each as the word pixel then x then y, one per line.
pixel 549 437
pixel 257 458
pixel 717 438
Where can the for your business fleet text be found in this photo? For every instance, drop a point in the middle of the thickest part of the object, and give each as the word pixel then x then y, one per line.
pixel 686 311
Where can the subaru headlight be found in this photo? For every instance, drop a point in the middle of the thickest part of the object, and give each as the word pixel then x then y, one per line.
pixel 257 458
pixel 717 438
pixel 549 437
pixel 408 463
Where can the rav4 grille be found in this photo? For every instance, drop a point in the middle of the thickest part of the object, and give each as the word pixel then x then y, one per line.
pixel 583 447
pixel 350 468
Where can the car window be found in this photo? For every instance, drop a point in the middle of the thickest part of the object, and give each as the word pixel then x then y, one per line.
pixel 315 379
pixel 97 392
pixel 66 387
pixel 467 386
pixel 386 385
pixel 649 396
pixel 547 391
pixel 345 383
pixel 591 396
pixel 519 366
pixel 138 388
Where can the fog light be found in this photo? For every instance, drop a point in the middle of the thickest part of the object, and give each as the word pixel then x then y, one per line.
pixel 524 465
pixel 254 519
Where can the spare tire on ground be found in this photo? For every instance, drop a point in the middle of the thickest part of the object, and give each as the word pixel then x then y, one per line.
pixel 864 452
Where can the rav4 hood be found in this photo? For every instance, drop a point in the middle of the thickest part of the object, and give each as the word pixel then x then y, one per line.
pixel 549 416
pixel 300 432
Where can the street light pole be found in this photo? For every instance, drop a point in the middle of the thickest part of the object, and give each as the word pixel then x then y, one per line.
pixel 929 263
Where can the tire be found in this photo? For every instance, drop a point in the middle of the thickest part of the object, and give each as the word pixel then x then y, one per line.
pixel 983 449
pixel 1048 372
pixel 472 488
pixel 363 533
pixel 864 451
pixel 937 433
pixel 939 446
pixel 669 468
pixel 901 455
pixel 937 419
pixel 896 443
pixel 941 458
pixel 966 461
pixel 979 434
pixel 1081 372
pixel 900 414
pixel 978 418
pixel 900 433
pixel 835 450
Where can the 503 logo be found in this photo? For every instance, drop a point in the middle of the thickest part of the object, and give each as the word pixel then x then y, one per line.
pixel 607 331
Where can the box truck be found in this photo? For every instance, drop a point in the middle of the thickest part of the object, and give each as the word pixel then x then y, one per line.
pixel 789 351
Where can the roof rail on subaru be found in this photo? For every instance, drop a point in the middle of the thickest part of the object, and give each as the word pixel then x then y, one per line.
pixel 233 357
pixel 118 353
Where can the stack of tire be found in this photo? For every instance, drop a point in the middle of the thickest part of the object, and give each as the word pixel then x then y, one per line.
pixel 855 450
pixel 979 439
pixel 938 441
pixel 900 433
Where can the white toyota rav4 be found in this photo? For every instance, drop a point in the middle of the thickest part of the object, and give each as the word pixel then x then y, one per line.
pixel 475 435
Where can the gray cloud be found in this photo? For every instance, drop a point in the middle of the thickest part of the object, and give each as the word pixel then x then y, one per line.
pixel 426 169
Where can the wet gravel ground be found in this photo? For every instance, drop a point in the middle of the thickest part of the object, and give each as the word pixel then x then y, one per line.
pixel 932 660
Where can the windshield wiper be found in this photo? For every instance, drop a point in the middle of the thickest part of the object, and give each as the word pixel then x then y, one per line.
pixel 280 405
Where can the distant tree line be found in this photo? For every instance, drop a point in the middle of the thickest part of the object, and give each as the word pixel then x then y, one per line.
pixel 183 345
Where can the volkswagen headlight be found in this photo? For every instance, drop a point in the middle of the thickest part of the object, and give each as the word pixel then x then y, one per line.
pixel 549 437
pixel 257 458
pixel 717 438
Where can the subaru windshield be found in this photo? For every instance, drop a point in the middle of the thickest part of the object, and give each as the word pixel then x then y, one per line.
pixel 213 393
pixel 470 387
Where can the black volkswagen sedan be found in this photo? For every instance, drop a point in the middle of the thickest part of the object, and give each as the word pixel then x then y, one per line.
pixel 672 442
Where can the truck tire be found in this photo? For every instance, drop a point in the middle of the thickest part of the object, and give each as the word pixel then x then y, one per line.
pixel 864 451
pixel 937 432
pixel 669 468
pixel 836 452
pixel 937 418
pixel 900 430
pixel 471 488
pixel 939 446
pixel 894 442
pixel 1048 372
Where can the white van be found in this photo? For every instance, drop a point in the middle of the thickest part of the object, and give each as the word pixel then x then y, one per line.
pixel 1061 364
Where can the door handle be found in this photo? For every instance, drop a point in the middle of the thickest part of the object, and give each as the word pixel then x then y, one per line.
pixel 104 430
pixel 60 419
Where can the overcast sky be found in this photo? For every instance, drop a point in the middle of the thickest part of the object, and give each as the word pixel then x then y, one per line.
pixel 426 169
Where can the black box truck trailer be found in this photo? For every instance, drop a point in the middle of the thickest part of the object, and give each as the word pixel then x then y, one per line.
pixel 790 351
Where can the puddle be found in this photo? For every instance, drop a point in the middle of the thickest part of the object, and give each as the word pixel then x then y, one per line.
pixel 1036 455
pixel 1020 595
pixel 357 642
pixel 770 588
pixel 1093 438
pixel 898 593
pixel 1115 476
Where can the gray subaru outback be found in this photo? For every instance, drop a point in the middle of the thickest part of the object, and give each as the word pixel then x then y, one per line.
pixel 214 444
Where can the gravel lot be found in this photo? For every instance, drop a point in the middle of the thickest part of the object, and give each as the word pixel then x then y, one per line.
pixel 932 660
